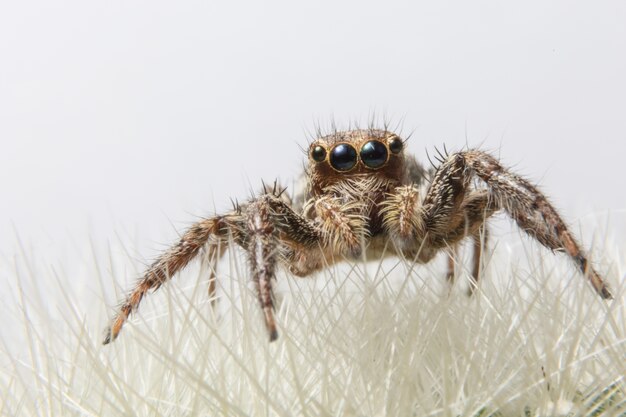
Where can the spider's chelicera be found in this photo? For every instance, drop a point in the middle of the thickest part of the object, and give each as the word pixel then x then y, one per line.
pixel 365 193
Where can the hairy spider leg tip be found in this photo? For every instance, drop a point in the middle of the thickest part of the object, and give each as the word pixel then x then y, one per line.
pixel 273 335
pixel 108 337
pixel 606 293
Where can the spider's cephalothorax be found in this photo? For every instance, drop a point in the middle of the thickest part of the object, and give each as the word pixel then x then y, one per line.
pixel 356 169
pixel 365 193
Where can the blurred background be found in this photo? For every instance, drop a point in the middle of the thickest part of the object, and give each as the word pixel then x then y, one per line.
pixel 135 117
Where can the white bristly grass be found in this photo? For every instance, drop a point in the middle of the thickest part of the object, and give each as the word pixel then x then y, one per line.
pixel 378 339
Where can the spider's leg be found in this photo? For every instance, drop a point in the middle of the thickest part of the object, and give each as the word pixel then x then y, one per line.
pixel 215 252
pixel 530 209
pixel 262 255
pixel 173 260
pixel 452 255
pixel 473 212
pixel 479 239
pixel 272 226
pixel 252 230
pixel 477 207
pixel 442 212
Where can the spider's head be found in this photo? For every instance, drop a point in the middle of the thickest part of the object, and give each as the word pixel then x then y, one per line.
pixel 353 154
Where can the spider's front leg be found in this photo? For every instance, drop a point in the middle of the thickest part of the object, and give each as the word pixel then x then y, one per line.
pixel 533 213
pixel 267 228
pixel 530 209
pixel 256 227
pixel 269 222
pixel 168 264
pixel 274 232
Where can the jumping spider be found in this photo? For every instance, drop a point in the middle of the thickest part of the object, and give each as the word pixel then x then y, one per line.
pixel 364 192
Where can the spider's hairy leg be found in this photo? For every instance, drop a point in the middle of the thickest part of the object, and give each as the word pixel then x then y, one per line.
pixel 477 208
pixel 258 228
pixel 262 251
pixel 473 212
pixel 173 260
pixel 479 240
pixel 442 204
pixel 214 253
pixel 452 255
pixel 532 211
pixel 270 224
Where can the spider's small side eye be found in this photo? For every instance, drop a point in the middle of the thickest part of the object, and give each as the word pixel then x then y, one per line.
pixel 395 144
pixel 318 153
pixel 374 154
pixel 343 157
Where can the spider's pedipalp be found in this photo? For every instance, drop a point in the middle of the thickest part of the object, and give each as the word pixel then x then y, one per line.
pixel 403 216
pixel 343 226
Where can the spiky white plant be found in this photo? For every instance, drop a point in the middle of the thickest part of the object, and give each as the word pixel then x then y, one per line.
pixel 378 339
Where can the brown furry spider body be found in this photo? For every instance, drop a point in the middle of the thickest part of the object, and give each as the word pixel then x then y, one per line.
pixel 364 192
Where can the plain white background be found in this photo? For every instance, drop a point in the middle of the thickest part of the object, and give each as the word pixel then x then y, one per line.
pixel 138 116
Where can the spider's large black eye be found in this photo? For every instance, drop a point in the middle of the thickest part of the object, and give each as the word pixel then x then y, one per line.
pixel 374 154
pixel 318 153
pixel 343 157
pixel 396 145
